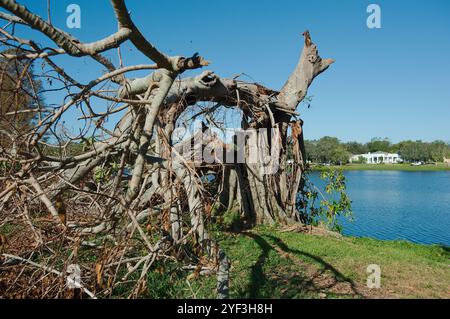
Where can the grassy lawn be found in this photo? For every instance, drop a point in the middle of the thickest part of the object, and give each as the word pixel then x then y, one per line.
pixel 267 263
pixel 385 167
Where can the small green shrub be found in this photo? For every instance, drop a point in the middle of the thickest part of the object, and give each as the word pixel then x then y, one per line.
pixel 231 220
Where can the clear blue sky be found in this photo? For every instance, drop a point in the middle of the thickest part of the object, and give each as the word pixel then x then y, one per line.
pixel 391 82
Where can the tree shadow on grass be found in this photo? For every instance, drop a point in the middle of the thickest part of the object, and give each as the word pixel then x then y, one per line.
pixel 275 282
pixel 283 283
pixel 338 276
pixel 446 249
pixel 258 278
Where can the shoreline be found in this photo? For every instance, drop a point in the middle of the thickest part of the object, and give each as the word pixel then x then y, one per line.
pixel 384 167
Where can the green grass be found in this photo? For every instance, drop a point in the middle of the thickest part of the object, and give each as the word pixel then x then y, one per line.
pixel 267 263
pixel 385 167
pixel 259 271
pixel 408 270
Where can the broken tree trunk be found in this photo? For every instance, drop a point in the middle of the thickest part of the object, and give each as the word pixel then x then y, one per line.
pixel 273 182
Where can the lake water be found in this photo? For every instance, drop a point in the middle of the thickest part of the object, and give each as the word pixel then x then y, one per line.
pixel 412 206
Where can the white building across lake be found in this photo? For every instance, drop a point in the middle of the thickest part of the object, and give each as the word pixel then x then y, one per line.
pixel 377 158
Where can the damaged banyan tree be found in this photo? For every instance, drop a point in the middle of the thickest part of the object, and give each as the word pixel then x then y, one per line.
pixel 135 196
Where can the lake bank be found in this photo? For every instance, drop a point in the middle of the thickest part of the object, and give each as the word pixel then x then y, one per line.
pixel 384 167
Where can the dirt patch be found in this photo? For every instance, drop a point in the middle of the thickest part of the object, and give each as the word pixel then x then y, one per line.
pixel 311 230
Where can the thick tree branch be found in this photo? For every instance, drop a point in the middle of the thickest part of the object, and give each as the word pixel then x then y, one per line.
pixel 176 64
pixel 65 41
pixel 308 67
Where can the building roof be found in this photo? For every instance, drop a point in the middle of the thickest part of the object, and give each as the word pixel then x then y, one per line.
pixel 380 152
pixel 376 154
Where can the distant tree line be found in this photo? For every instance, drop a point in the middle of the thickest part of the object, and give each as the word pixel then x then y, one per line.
pixel 332 150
